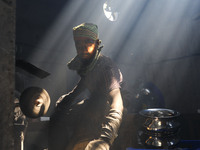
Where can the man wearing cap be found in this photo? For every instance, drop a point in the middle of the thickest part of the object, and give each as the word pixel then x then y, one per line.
pixel 97 118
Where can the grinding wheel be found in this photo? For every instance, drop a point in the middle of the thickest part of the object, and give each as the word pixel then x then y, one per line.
pixel 34 102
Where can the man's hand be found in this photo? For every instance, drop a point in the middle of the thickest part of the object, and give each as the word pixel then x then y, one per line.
pixel 98 144
pixel 64 102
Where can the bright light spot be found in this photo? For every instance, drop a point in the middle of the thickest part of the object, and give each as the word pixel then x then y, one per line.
pixel 159 123
pixel 91 48
pixel 110 15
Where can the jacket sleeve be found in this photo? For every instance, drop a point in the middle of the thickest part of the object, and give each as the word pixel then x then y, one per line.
pixel 66 100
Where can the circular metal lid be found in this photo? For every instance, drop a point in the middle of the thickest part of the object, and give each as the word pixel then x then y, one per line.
pixel 159 113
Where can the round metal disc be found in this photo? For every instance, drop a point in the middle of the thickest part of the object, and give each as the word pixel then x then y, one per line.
pixel 34 102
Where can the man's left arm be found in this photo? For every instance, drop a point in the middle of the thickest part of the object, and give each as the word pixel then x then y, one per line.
pixel 111 125
pixel 113 119
pixel 116 100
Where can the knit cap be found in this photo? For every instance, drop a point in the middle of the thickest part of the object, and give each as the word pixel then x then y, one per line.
pixel 89 30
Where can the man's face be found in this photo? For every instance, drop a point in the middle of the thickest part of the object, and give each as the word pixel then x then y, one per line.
pixel 85 47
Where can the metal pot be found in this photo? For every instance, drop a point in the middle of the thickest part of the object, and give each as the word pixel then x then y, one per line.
pixel 159 128
pixel 160 119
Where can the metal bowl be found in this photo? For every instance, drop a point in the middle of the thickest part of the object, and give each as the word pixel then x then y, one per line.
pixel 160 119
pixel 165 142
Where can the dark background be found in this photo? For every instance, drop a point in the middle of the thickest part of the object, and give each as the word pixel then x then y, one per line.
pixel 153 41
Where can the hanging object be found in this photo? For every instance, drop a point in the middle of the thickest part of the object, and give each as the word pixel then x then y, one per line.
pixel 110 10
